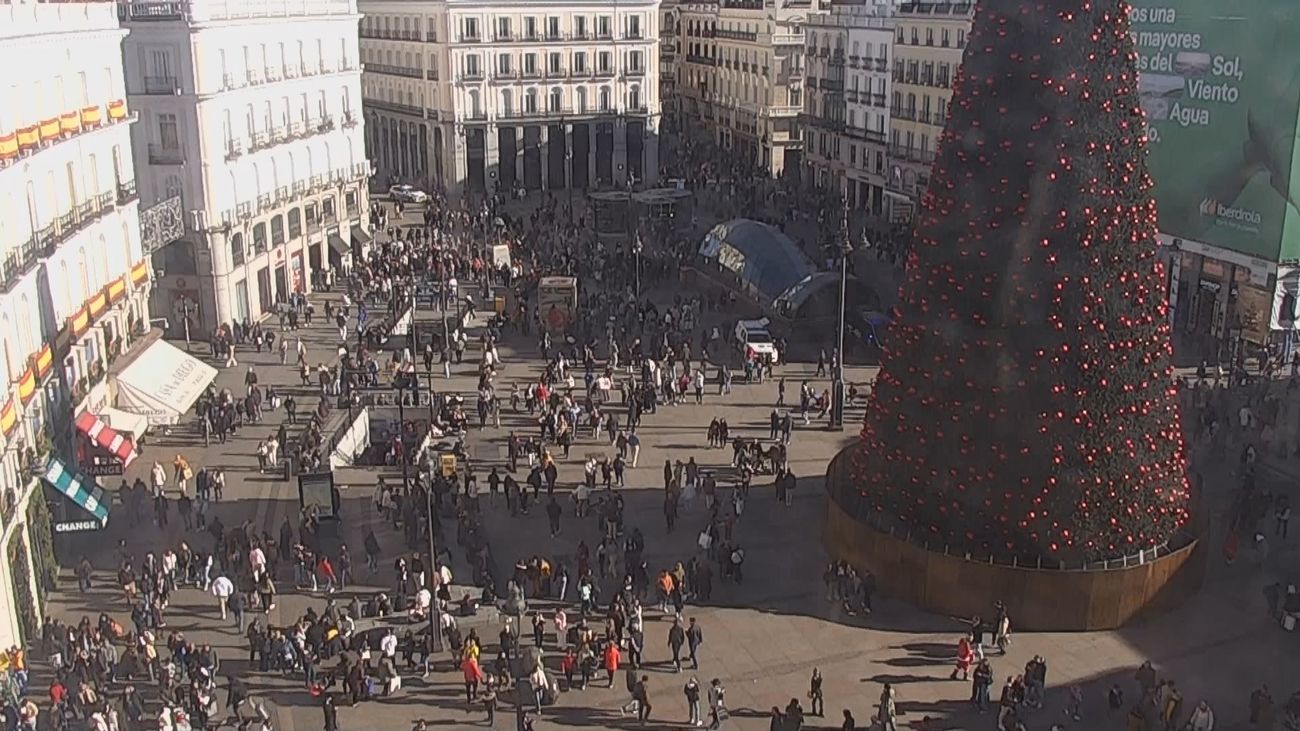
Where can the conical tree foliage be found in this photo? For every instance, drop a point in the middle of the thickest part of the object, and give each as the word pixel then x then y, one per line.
pixel 1026 407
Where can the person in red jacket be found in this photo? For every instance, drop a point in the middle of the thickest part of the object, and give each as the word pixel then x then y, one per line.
pixel 469 667
pixel 567 666
pixel 965 656
pixel 326 570
pixel 611 661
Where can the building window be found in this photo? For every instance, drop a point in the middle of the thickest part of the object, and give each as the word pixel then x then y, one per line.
pixel 634 26
pixel 602 62
pixel 168 133
pixel 259 238
pixel 945 40
pixel 503 64
pixel 469 29
pixel 556 102
pixel 471 66
pixel 503 29
pixel 580 26
pixel 277 230
pixel 604 99
pixel 603 27
pixel 634 62
pixel 916 37
pixel 236 249
pixel 295 223
pixel 554 63
pixel 553 28
pixel 530 28
pixel 634 98
pixel 530 101
pixel 961 38
pixel 929 36
pixel 530 64
pixel 579 62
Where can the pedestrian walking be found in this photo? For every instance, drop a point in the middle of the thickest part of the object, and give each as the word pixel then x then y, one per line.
pixel 692 692
pixel 888 712
pixel 717 703
pixel 694 638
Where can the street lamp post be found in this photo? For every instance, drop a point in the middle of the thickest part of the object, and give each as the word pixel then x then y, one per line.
pixel 636 257
pixel 837 390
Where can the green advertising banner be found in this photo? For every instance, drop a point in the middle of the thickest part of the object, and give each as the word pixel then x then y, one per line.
pixel 1220 84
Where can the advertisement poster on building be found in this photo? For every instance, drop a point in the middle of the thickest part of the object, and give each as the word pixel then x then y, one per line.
pixel 1254 306
pixel 1220 85
pixel 1285 295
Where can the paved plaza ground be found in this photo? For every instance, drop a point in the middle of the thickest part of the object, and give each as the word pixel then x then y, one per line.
pixel 762 638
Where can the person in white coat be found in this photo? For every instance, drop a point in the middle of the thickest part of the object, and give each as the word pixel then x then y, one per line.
pixel 1202 718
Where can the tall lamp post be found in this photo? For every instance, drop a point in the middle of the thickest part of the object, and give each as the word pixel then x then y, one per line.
pixel 515 605
pixel 837 389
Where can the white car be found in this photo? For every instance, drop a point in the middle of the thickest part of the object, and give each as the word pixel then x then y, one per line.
pixel 753 339
pixel 407 194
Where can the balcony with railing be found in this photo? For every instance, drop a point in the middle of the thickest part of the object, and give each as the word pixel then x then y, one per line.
pixel 911 154
pixel 25 141
pixel 939 7
pixel 126 192
pixel 535 113
pixel 297 130
pixel 784 110
pixel 396 107
pixel 736 35
pixel 203 11
pixel 160 85
pixel 45 241
pixel 390 70
pixel 471 75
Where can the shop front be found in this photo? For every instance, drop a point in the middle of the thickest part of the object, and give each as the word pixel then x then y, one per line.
pixel 1220 300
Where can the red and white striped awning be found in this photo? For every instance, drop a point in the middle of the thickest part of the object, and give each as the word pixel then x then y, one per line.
pixel 119 445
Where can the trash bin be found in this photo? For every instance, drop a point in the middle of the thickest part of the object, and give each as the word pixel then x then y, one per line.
pixel 286 466
pixel 499 304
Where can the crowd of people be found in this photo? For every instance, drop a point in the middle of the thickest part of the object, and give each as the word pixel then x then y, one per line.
pixel 578 617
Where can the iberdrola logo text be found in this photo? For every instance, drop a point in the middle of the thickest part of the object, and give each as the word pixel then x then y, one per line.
pixel 1242 219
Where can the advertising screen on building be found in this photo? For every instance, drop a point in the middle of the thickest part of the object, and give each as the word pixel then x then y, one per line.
pixel 1220 84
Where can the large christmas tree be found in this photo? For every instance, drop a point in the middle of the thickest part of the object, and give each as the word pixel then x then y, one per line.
pixel 1026 406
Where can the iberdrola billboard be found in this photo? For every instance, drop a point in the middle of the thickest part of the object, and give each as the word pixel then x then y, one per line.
pixel 1220 84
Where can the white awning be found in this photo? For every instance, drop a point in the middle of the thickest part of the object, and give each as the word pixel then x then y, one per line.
pixel 163 383
pixel 125 422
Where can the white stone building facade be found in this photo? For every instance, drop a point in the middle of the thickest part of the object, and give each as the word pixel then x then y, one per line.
pixel 741 74
pixel 846 118
pixel 929 40
pixel 471 96
pixel 251 113
pixel 73 281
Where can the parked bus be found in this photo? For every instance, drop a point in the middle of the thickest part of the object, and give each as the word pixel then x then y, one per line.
pixel 557 303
